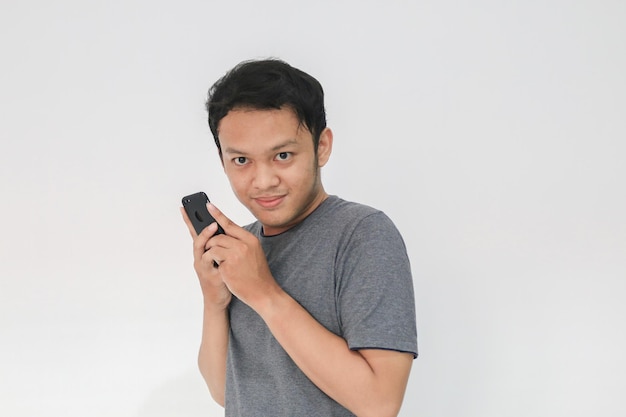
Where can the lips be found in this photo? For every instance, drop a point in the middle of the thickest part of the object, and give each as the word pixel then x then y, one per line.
pixel 269 202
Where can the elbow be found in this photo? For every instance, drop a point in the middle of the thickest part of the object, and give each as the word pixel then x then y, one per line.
pixel 218 398
pixel 217 395
pixel 215 389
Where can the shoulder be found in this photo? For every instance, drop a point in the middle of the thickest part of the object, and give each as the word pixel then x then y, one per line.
pixel 340 205
pixel 348 213
pixel 357 227
pixel 358 217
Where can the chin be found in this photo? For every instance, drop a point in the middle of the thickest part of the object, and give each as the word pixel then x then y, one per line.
pixel 272 220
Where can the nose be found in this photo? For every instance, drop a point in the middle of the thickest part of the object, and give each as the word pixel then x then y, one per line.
pixel 265 177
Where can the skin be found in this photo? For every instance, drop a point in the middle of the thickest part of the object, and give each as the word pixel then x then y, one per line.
pixel 274 171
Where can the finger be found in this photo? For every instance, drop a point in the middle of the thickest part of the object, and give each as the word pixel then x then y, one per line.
pixel 228 225
pixel 211 257
pixel 207 233
pixel 200 243
pixel 192 231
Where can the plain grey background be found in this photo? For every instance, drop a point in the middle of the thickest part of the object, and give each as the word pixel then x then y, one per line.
pixel 492 133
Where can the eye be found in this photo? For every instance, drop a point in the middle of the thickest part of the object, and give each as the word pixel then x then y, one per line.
pixel 240 160
pixel 283 156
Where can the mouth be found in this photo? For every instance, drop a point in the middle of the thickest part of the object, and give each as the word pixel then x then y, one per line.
pixel 270 201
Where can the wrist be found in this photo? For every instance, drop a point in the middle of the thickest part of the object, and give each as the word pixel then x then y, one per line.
pixel 215 297
pixel 213 306
pixel 273 304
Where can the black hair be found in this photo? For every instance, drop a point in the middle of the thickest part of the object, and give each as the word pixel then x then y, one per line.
pixel 264 85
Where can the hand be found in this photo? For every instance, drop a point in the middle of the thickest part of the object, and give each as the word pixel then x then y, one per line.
pixel 215 292
pixel 242 263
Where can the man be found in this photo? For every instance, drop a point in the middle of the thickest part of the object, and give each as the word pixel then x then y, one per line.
pixel 309 311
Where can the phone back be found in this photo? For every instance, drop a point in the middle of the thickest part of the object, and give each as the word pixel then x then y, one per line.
pixel 195 206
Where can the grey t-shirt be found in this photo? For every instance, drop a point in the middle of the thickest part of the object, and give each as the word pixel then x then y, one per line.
pixel 347 265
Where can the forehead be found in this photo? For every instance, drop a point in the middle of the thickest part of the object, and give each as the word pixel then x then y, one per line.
pixel 242 128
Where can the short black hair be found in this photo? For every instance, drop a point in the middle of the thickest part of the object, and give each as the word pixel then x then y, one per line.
pixel 268 84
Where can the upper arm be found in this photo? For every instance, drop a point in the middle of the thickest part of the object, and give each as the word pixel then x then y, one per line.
pixel 375 295
pixel 391 372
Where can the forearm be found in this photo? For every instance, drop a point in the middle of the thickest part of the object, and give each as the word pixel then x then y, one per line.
pixel 343 374
pixel 213 351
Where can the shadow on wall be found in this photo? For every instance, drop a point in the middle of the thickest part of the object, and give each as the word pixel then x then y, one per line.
pixel 183 396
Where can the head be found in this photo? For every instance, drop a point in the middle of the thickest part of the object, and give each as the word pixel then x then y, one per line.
pixel 269 125
pixel 268 85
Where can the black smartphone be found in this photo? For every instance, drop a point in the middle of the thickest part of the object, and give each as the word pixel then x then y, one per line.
pixel 195 206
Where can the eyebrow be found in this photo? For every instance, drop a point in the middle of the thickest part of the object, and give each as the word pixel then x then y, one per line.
pixel 285 144
pixel 273 149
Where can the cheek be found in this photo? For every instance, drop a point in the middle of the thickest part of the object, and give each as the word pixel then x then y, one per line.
pixel 237 182
pixel 300 177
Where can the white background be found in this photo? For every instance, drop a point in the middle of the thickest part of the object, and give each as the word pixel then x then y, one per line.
pixel 493 134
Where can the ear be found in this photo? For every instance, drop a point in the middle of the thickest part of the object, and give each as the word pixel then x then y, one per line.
pixel 324 147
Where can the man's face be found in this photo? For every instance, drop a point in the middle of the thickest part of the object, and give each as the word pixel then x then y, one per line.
pixel 272 166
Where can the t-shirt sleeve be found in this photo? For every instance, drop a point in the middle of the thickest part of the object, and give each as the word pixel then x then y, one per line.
pixel 375 288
